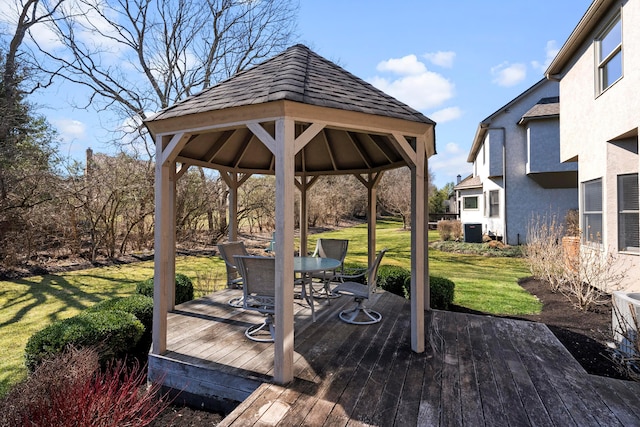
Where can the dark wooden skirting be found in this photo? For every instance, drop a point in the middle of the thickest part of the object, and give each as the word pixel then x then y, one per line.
pixel 477 370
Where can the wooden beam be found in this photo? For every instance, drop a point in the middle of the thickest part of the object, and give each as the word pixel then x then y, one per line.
pixel 308 135
pixel 178 141
pixel 408 154
pixel 264 136
pixel 184 167
pixel 284 146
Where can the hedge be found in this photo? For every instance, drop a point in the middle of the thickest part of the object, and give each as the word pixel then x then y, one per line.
pixel 139 305
pixel 442 290
pixel 114 333
pixel 184 288
pixel 397 280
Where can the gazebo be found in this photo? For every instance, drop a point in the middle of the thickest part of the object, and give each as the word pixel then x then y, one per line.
pixel 297 116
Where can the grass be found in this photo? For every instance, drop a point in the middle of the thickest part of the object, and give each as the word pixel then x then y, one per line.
pixel 28 305
pixel 487 284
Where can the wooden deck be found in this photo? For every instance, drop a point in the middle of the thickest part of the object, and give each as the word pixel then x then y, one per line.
pixel 477 370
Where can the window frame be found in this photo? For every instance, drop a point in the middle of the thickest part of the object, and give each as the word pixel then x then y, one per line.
pixel 602 61
pixel 586 215
pixel 493 200
pixel 468 208
pixel 625 212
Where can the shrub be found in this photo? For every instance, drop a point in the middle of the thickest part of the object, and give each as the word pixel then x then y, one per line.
pixel 441 292
pixel 140 306
pixel 114 332
pixel 393 279
pixel 184 288
pixel 71 390
pixel 450 230
pixel 397 280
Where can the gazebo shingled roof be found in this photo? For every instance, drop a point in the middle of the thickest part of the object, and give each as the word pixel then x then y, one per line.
pixel 297 116
pixel 297 74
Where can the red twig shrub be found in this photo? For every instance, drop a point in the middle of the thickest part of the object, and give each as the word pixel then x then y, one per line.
pixel 72 390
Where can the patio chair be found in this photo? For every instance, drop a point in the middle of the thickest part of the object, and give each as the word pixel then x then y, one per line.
pixel 259 290
pixel 360 315
pixel 330 248
pixel 234 279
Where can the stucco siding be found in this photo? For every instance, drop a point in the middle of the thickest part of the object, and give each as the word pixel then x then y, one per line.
pixel 588 118
pixel 600 129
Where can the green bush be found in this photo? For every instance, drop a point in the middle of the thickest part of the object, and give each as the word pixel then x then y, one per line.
pixel 184 288
pixel 397 280
pixel 441 292
pixel 115 333
pixel 394 279
pixel 140 306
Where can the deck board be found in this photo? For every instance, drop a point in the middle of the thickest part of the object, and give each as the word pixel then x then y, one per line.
pixel 476 370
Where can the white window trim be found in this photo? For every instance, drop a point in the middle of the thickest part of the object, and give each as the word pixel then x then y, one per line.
pixel 600 89
pixel 470 209
pixel 633 250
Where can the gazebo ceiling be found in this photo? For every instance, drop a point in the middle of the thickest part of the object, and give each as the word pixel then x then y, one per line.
pixel 331 151
pixel 358 121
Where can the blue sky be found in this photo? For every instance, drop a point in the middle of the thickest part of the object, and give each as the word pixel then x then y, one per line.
pixel 457 62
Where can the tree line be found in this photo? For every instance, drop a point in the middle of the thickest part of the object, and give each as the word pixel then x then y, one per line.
pixel 132 58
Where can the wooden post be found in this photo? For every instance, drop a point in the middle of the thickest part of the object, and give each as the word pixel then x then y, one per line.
pixel 419 230
pixel 164 247
pixel 304 185
pixel 285 178
pixel 234 181
pixel 371 182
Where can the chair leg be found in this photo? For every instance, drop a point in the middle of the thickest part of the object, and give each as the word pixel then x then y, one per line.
pixel 355 315
pixel 237 302
pixel 263 332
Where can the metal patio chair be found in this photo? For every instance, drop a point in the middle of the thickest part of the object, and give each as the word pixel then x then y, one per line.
pixel 330 248
pixel 234 279
pixel 360 315
pixel 259 290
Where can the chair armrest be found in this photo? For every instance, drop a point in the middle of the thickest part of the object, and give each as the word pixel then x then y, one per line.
pixel 351 274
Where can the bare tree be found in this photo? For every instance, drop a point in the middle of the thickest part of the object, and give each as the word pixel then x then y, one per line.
pixel 139 56
pixel 394 192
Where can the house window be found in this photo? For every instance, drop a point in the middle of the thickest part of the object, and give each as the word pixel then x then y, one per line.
pixel 494 203
pixel 592 211
pixel 609 54
pixel 628 216
pixel 471 203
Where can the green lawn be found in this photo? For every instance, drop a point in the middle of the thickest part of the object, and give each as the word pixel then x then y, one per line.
pixel 27 305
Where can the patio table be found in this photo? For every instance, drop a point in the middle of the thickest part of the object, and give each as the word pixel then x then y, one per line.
pixel 305 265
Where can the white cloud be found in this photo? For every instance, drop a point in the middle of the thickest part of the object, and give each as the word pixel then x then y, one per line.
pixel 446 114
pixel 407 65
pixel 551 50
pixel 70 130
pixel 507 74
pixel 418 87
pixel 440 58
pixel 452 148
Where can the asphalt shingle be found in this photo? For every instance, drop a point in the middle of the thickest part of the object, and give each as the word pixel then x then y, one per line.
pixel 299 75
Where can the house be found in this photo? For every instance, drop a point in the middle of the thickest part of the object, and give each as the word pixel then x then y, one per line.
pixel 517 174
pixel 598 69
